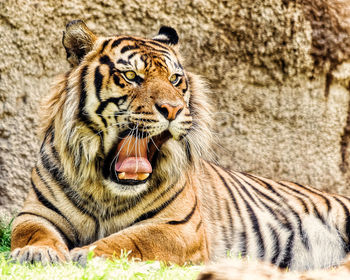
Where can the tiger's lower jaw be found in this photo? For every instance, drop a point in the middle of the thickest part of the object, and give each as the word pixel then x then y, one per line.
pixel 116 177
pixel 131 162
pixel 126 189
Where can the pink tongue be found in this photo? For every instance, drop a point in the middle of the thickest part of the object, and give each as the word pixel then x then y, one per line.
pixel 134 165
pixel 132 160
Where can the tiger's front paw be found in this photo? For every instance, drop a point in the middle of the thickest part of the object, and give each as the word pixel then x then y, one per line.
pixel 43 254
pixel 79 256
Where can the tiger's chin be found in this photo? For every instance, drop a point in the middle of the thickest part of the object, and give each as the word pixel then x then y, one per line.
pixel 126 190
pixel 134 162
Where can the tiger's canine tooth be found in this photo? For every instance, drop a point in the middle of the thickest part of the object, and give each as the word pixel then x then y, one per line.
pixel 121 175
pixel 142 176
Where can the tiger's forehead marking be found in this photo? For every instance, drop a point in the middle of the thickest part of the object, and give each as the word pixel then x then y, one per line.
pixel 133 53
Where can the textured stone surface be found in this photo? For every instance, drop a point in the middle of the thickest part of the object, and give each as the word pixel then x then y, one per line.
pixel 277 70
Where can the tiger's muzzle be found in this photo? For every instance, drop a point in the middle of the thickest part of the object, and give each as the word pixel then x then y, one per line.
pixel 132 160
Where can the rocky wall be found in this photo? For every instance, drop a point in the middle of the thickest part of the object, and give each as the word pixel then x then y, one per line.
pixel 278 71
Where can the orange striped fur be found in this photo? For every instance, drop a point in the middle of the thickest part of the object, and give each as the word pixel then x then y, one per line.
pixel 187 209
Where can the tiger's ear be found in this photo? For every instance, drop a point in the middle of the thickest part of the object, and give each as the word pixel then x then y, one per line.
pixel 167 35
pixel 78 40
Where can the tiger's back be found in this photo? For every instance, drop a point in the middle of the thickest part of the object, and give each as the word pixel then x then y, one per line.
pixel 284 223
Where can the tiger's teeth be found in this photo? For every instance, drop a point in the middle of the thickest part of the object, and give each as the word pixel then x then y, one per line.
pixel 121 175
pixel 142 176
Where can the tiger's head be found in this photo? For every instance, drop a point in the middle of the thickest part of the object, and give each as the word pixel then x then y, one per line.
pixel 127 116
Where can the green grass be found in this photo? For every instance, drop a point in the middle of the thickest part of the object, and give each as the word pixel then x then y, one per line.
pixel 98 269
pixel 95 269
pixel 5 236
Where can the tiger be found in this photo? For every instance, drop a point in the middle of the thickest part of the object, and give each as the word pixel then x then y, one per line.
pixel 126 164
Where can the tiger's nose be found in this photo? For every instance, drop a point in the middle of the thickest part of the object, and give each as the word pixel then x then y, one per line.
pixel 169 111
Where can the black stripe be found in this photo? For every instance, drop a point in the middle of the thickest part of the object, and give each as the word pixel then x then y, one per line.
pixel 162 194
pixel 234 178
pixel 329 207
pixel 98 80
pixel 287 256
pixel 150 214
pixel 188 151
pixel 147 113
pixel 162 52
pixel 69 243
pixel 104 45
pixel 78 157
pixel 229 215
pixel 138 80
pixel 256 228
pixel 44 182
pixel 199 225
pixel 145 120
pixel 45 202
pixel 82 99
pixel 169 58
pixel 132 55
pixel 144 59
pixel 130 204
pixel 122 61
pixel 306 210
pixel 302 202
pixel 243 234
pixel 136 246
pixel 252 215
pixel 53 149
pixel 186 88
pixel 49 205
pixel 107 61
pixel 260 193
pixel 48 131
pixel 157 44
pixel 164 41
pixel 161 64
pixel 83 115
pixel 53 170
pixel 116 80
pixel 288 225
pixel 314 208
pixel 347 223
pixel 219 218
pixel 57 174
pixel 117 42
pixel 228 242
pixel 118 101
pixel 187 218
pixel 128 48
pixel 276 245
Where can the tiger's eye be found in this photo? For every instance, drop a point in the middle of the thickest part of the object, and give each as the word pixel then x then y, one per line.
pixel 173 78
pixel 130 75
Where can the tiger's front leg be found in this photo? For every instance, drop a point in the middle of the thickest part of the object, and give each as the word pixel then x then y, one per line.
pixel 35 240
pixel 174 243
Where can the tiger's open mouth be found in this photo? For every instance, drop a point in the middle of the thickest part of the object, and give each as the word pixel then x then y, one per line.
pixel 132 160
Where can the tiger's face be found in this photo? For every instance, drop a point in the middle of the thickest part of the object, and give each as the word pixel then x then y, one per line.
pixel 136 99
